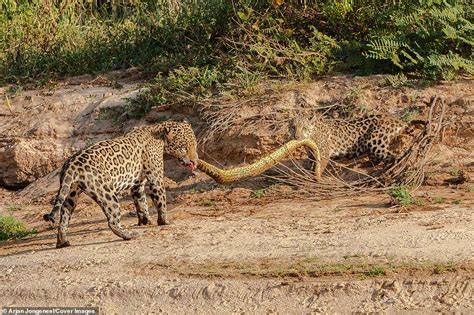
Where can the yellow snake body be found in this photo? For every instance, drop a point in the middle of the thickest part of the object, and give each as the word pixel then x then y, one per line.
pixel 231 175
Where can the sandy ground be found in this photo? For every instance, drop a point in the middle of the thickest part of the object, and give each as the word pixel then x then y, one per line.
pixel 263 255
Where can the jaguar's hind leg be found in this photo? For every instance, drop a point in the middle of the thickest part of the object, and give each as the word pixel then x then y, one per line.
pixel 139 199
pixel 158 195
pixel 110 206
pixel 66 212
pixel 71 200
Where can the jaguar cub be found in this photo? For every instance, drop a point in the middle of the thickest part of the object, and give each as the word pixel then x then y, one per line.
pixel 109 167
pixel 337 138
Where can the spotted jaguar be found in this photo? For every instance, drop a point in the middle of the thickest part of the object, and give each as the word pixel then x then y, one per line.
pixel 107 168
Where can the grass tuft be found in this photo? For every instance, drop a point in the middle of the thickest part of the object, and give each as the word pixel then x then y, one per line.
pixel 377 270
pixel 258 193
pixel 12 228
pixel 401 195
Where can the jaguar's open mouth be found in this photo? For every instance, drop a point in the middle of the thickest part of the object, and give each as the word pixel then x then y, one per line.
pixel 192 165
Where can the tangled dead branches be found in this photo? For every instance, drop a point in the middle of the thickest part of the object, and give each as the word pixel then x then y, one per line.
pixel 409 168
pixel 221 117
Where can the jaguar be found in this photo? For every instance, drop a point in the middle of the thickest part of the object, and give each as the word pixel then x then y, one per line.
pixel 128 163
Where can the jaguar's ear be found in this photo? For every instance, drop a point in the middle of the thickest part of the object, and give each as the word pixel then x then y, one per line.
pixel 166 134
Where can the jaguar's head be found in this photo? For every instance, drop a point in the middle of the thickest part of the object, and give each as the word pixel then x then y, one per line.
pixel 180 142
pixel 300 128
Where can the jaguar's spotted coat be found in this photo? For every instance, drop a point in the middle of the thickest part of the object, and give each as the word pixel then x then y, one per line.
pixel 109 167
pixel 337 138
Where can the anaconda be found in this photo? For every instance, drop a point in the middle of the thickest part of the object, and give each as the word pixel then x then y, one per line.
pixel 234 174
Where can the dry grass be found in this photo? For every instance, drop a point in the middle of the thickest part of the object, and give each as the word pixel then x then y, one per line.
pixel 221 116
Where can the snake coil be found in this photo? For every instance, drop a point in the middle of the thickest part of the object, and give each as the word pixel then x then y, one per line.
pixel 234 174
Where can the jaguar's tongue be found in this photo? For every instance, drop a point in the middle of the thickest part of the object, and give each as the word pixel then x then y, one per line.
pixel 192 166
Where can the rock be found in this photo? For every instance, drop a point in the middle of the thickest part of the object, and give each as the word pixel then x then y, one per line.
pixel 24 160
pixel 81 79
pixel 156 116
pixel 51 128
pixel 44 187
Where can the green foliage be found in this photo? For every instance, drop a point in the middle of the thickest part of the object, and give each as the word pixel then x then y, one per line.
pixel 431 38
pixel 88 142
pixel 11 228
pixel 14 208
pixel 376 270
pixel 402 196
pixel 39 38
pixel 266 41
pixel 439 199
pixel 193 84
pixel 456 171
pixel 233 45
pixel 190 81
pixel 440 268
pixel 138 107
pixel 258 193
pixel 397 80
pixel 409 114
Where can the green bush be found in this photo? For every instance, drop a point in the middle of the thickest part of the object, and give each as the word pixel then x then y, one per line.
pixel 278 43
pixel 39 38
pixel 402 196
pixel 11 228
pixel 431 37
pixel 237 42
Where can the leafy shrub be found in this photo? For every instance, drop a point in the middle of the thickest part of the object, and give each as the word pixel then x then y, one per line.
pixel 258 193
pixel 433 37
pixel 39 38
pixel 271 41
pixel 402 196
pixel 377 270
pixel 234 44
pixel 397 80
pixel 11 228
